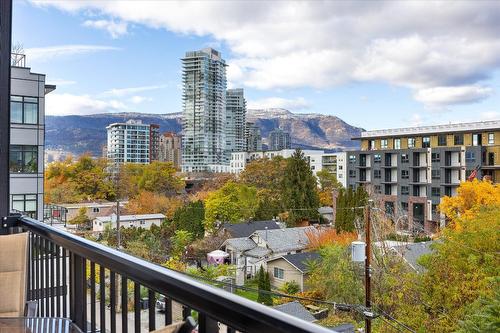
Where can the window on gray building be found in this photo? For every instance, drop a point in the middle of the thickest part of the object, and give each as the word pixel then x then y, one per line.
pixel 23 159
pixel 436 174
pixel 436 191
pixel 405 190
pixel 405 174
pixel 405 158
pixel 442 140
pixel 435 157
pixel 476 139
pixel 377 173
pixel 411 142
pixel 352 173
pixel 470 156
pixel 377 158
pixel 426 142
pixel 26 203
pixel 23 110
pixel 404 206
pixel 352 158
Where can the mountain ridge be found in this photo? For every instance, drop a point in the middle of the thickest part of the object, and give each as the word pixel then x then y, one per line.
pixel 77 134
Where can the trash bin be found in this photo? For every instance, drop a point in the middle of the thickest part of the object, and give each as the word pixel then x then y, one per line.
pixel 144 303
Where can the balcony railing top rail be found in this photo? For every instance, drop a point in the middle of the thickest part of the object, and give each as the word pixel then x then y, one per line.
pixel 216 304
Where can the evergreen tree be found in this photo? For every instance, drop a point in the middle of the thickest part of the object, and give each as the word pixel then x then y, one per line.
pixel 190 218
pixel 261 284
pixel 347 212
pixel 268 299
pixel 300 190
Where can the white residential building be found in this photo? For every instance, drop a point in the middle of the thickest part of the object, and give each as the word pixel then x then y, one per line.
pixel 336 163
pixel 129 142
pixel 204 112
pixel 27 138
pixel 127 221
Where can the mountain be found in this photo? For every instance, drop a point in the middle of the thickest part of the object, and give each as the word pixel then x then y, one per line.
pixel 79 134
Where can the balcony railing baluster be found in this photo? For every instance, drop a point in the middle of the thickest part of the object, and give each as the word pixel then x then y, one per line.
pixel 54 254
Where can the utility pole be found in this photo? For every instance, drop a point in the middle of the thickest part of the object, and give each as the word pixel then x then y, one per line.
pixel 118 234
pixel 368 254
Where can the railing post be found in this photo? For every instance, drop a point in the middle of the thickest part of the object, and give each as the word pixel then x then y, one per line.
pixel 78 306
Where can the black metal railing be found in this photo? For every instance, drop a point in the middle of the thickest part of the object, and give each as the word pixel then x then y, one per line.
pixel 96 286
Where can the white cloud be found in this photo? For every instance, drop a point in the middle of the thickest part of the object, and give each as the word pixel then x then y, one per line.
pixel 68 104
pixel 277 102
pixel 489 115
pixel 133 90
pixel 115 28
pixel 48 53
pixel 140 99
pixel 437 96
pixel 418 45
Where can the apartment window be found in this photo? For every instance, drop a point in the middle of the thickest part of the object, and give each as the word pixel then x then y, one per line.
pixel 23 110
pixel 23 159
pixel 371 145
pixel 377 173
pixel 405 158
pixel 377 158
pixel 411 142
pixel 25 203
pixel 435 191
pixel 352 173
pixel 405 190
pixel 95 210
pixel 436 174
pixel 426 142
pixel 397 143
pixel 491 138
pixel 377 189
pixel 405 174
pixel 279 273
pixel 458 139
pixel 404 206
pixel 442 140
pixel 435 157
pixel 476 139
pixel 383 143
pixel 352 158
pixel 470 156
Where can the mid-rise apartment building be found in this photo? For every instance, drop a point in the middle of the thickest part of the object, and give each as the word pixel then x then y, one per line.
pixel 204 112
pixel 279 139
pixel 411 169
pixel 236 110
pixel 253 137
pixel 27 138
pixel 317 159
pixel 154 142
pixel 170 148
pixel 131 142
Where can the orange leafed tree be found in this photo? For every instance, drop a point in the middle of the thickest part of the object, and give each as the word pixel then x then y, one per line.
pixel 152 203
pixel 471 196
pixel 318 239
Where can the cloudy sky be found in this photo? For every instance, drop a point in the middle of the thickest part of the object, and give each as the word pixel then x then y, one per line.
pixel 373 64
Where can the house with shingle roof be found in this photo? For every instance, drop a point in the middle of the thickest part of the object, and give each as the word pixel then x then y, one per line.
pixel 245 229
pixel 249 253
pixel 291 267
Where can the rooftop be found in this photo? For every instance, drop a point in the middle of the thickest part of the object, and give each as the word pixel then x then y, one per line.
pixel 288 239
pixel 412 252
pixel 297 310
pixel 433 129
pixel 237 230
pixel 124 218
pixel 300 260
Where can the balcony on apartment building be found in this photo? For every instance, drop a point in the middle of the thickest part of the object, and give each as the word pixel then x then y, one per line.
pixel 364 161
pixel 452 160
pixel 390 160
pixel 64 277
pixel 419 161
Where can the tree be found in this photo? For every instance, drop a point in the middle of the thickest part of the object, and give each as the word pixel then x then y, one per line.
pixel 470 198
pixel 264 173
pixel 180 240
pixel 327 180
pixel 190 218
pixel 152 203
pixel 264 285
pixel 81 220
pixel 348 208
pixel 318 239
pixel 485 318
pixel 157 177
pixel 299 187
pixel 233 203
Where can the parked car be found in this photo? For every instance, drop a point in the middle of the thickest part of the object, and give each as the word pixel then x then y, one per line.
pixel 160 303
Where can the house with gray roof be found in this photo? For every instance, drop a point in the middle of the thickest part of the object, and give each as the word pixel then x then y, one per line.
pixel 245 229
pixel 291 267
pixel 411 253
pixel 249 253
pixel 297 310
